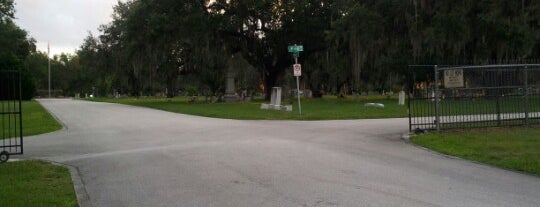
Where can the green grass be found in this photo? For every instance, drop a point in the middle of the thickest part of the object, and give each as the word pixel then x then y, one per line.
pixel 36 120
pixel 34 184
pixel 328 108
pixel 510 148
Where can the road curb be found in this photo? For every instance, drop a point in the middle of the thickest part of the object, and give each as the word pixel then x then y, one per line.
pixel 78 185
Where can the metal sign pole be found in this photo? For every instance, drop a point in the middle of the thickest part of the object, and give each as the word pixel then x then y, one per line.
pixel 295 50
pixel 298 87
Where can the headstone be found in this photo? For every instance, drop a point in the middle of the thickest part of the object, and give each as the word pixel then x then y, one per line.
pixel 401 99
pixel 230 92
pixel 276 96
pixel 308 93
pixel 275 101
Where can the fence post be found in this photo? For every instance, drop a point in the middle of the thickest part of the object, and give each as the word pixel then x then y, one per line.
pixel 437 107
pixel 409 88
pixel 498 106
pixel 526 96
pixel 498 80
pixel 20 111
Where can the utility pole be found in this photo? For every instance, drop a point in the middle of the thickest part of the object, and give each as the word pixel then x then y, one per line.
pixel 49 66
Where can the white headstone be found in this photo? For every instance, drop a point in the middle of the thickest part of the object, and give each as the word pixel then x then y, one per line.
pixel 401 98
pixel 276 96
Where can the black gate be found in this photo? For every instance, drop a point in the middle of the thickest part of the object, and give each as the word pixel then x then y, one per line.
pixel 11 136
pixel 448 97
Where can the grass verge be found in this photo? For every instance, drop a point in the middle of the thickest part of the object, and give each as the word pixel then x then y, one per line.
pixel 327 108
pixel 510 148
pixel 35 183
pixel 36 120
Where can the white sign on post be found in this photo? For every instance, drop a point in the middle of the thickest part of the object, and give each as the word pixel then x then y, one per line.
pixel 297 70
pixel 453 78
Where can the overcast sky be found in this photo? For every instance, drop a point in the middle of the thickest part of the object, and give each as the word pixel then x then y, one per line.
pixel 63 23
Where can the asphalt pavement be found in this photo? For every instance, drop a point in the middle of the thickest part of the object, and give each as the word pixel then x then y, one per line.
pixel 134 156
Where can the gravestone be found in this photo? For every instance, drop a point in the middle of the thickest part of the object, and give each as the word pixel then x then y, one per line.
pixel 276 96
pixel 230 91
pixel 401 98
pixel 275 101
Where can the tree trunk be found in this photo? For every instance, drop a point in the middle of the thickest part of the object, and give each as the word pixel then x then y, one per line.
pixel 270 80
pixel 171 87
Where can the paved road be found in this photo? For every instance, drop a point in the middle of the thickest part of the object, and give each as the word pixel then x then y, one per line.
pixel 131 156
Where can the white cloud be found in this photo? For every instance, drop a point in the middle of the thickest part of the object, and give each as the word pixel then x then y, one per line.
pixel 63 23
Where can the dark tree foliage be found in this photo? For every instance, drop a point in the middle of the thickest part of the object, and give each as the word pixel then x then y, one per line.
pixel 15 46
pixel 155 46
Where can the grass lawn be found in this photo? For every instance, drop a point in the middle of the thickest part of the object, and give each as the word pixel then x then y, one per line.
pixel 35 183
pixel 510 148
pixel 36 120
pixel 327 108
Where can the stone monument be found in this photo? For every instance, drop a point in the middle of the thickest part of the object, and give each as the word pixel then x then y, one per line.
pixel 275 101
pixel 230 91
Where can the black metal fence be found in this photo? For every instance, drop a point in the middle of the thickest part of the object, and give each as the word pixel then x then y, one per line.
pixel 452 97
pixel 11 136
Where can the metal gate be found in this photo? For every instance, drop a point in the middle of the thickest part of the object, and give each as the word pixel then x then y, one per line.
pixel 11 136
pixel 452 97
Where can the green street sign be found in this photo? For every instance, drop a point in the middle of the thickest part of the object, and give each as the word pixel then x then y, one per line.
pixel 295 48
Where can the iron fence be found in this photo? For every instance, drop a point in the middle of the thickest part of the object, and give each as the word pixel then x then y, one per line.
pixel 451 97
pixel 11 138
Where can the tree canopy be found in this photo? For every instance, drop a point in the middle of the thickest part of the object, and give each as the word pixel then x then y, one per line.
pixel 161 46
pixel 15 47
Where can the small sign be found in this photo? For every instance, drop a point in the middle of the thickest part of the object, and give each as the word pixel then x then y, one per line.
pixel 453 78
pixel 296 48
pixel 297 70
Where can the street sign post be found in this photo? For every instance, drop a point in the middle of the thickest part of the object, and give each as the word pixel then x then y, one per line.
pixel 296 48
pixel 297 70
